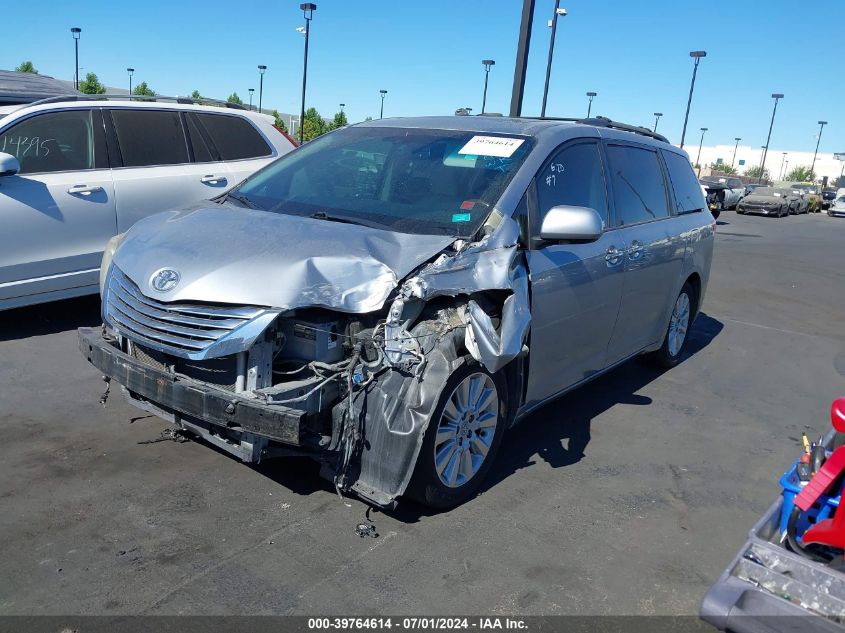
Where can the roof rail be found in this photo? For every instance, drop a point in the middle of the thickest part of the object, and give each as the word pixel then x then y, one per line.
pixel 128 97
pixel 602 121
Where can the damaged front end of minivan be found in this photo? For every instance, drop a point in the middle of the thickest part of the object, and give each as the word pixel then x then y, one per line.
pixel 341 357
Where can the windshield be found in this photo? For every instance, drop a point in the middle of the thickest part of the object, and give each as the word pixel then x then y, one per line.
pixel 766 191
pixel 408 180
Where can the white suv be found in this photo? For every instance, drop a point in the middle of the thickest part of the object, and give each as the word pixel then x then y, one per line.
pixel 74 172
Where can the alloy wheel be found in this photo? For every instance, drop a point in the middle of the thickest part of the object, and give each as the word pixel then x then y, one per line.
pixel 679 324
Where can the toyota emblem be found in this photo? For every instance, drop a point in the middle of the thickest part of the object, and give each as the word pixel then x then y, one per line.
pixel 164 279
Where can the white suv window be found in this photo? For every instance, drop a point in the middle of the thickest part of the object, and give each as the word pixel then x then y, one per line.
pixel 234 137
pixel 150 137
pixel 54 141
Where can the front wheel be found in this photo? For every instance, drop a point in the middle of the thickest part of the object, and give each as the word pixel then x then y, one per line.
pixel 675 340
pixel 462 438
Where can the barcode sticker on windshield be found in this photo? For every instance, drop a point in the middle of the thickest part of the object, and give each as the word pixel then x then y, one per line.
pixel 491 146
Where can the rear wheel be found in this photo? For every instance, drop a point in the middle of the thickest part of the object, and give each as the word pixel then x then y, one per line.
pixel 462 438
pixel 675 340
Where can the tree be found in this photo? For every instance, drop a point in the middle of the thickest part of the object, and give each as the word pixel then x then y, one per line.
pixel 26 67
pixel 196 95
pixel 369 118
pixel 724 169
pixel 757 172
pixel 313 125
pixel 339 120
pixel 801 173
pixel 234 98
pixel 91 85
pixel 279 123
pixel 839 183
pixel 143 90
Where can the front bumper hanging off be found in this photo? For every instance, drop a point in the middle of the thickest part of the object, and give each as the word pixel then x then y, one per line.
pixel 189 401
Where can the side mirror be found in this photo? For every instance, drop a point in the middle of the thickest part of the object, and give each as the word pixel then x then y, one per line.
pixel 9 165
pixel 571 223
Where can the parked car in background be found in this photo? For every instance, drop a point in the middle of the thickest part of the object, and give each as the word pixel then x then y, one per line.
pixel 393 315
pixel 74 172
pixel 837 208
pixel 731 190
pixel 798 200
pixel 765 201
pixel 828 196
pixel 811 195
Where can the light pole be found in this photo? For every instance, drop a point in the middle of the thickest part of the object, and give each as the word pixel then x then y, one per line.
pixel 521 66
pixel 553 24
pixel 488 63
pixel 130 71
pixel 700 143
pixel 383 93
pixel 590 96
pixel 777 97
pixel 841 159
pixel 819 140
pixel 251 91
pixel 261 70
pixel 696 55
pixel 782 161
pixel 342 106
pixel 657 116
pixel 76 32
pixel 308 9
pixel 736 144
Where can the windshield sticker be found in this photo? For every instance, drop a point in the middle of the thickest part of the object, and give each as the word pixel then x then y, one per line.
pixel 467 205
pixel 461 217
pixel 491 146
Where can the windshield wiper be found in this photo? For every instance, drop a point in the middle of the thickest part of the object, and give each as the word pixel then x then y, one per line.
pixel 243 200
pixel 322 215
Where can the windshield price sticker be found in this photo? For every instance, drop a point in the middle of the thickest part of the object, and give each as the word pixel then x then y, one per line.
pixel 491 146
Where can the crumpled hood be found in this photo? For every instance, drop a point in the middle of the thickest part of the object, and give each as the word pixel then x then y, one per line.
pixel 752 199
pixel 228 254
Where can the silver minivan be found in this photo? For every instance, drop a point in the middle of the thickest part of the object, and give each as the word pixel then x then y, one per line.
pixel 76 171
pixel 391 297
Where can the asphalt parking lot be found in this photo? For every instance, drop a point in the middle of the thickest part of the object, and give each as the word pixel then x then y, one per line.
pixel 628 496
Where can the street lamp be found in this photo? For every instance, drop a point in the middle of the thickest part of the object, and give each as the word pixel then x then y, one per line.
pixel 819 140
pixel 308 9
pixel 383 93
pixel 76 32
pixel 261 70
pixel 782 162
pixel 733 160
pixel 488 63
pixel 701 142
pixel 777 97
pixel 342 106
pixel 552 23
pixel 657 116
pixel 697 55
pixel 841 159
pixel 130 71
pixel 590 96
pixel 251 91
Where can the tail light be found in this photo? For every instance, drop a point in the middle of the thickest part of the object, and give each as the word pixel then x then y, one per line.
pixel 287 136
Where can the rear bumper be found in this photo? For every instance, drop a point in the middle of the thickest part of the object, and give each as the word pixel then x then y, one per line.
pixel 190 398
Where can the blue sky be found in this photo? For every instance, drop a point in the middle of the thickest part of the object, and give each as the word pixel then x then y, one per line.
pixel 427 54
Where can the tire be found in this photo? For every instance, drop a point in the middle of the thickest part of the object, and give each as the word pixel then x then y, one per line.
pixel 671 352
pixel 740 211
pixel 431 486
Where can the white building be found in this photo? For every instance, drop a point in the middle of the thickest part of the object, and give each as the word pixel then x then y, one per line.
pixel 778 161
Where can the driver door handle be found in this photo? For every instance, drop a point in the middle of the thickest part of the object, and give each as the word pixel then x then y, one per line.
pixel 84 190
pixel 211 179
pixel 613 256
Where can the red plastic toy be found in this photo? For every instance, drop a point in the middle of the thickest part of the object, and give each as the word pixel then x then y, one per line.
pixel 830 531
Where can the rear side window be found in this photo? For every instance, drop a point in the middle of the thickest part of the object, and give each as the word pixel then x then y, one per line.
pixel 573 177
pixel 150 137
pixel 56 141
pixel 234 137
pixel 639 192
pixel 688 195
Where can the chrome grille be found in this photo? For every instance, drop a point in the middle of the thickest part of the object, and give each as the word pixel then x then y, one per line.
pixel 178 328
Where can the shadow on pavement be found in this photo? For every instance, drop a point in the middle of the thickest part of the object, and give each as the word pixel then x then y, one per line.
pixel 49 318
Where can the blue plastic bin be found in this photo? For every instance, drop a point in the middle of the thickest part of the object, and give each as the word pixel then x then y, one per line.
pixel 821 510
